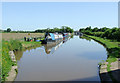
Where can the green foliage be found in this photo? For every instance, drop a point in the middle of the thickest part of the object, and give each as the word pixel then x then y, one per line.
pixel 113 34
pixel 106 42
pixel 95 29
pixel 15 45
pixel 63 29
pixel 6 59
pixel 110 60
pixel 8 29
pixel 0 59
pixel 101 63
pixel 114 52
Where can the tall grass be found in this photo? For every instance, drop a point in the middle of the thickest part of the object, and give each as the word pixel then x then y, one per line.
pixel 6 59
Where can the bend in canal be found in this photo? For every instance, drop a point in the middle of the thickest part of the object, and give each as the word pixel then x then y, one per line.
pixel 74 60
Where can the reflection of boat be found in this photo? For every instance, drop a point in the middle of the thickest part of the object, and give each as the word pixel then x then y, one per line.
pixel 52 46
pixel 80 34
pixel 65 39
pixel 53 40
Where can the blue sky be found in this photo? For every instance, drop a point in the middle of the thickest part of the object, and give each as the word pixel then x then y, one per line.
pixel 40 15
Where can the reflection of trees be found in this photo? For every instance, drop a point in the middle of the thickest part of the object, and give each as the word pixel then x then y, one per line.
pixel 72 36
pixel 19 53
pixel 48 48
pixel 84 37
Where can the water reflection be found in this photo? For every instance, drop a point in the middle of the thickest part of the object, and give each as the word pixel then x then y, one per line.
pixel 49 48
pixel 84 37
pixel 19 53
pixel 75 60
pixel 52 47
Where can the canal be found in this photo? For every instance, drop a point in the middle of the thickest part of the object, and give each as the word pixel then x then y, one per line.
pixel 73 60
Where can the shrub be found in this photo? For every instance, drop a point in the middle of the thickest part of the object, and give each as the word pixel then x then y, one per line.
pixel 15 45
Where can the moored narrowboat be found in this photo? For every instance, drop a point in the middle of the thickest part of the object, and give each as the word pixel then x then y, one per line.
pixel 54 37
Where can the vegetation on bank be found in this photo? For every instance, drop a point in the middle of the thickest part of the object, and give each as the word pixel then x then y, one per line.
pixel 12 45
pixel 63 29
pixel 30 44
pixel 110 38
pixel 0 58
pixel 6 59
pixel 113 49
pixel 113 34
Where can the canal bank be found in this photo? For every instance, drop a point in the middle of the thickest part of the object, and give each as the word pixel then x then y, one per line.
pixel 13 72
pixel 9 62
pixel 109 70
pixel 69 55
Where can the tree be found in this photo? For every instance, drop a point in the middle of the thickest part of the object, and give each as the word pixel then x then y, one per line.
pixel 95 29
pixel 104 29
pixel 8 29
pixel 88 28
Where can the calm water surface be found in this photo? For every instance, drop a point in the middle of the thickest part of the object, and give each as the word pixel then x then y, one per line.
pixel 74 60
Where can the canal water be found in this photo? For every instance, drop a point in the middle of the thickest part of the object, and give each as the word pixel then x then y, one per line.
pixel 75 59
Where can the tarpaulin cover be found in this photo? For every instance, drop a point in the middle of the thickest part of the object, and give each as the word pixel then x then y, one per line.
pixel 52 36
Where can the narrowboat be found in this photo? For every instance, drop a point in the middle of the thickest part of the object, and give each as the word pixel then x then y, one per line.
pixel 54 37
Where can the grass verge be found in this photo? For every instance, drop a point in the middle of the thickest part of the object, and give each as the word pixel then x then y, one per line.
pixel 12 45
pixel 113 49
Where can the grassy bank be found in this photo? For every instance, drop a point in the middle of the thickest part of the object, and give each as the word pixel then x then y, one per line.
pixel 30 44
pixel 6 59
pixel 113 49
pixel 12 45
pixel 106 42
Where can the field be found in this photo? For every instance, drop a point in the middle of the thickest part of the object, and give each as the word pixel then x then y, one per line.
pixel 8 36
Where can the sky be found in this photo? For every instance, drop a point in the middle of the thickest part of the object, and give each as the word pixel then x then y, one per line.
pixel 60 0
pixel 119 14
pixel 41 15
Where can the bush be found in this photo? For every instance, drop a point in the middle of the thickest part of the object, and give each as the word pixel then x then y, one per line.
pixel 14 45
pixel 113 34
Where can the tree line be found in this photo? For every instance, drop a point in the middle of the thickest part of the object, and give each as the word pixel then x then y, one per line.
pixel 109 33
pixel 64 29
